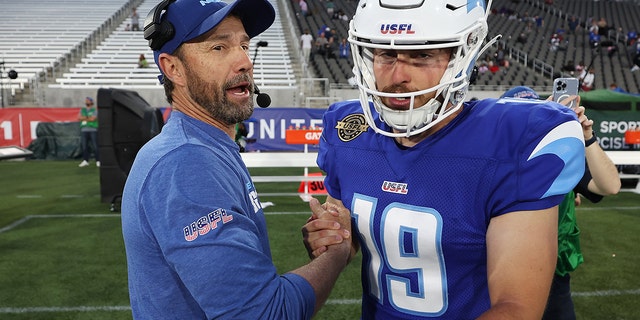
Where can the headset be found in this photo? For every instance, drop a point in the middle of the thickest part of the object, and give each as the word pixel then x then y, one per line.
pixel 156 30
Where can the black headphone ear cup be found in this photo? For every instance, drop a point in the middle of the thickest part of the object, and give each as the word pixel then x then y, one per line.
pixel 156 30
pixel 163 33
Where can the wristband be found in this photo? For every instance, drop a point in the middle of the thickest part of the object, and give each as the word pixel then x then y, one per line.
pixel 591 141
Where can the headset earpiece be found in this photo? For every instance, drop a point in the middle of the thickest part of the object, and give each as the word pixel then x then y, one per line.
pixel 156 30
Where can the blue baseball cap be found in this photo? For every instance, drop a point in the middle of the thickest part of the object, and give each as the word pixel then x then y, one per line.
pixel 193 18
pixel 522 92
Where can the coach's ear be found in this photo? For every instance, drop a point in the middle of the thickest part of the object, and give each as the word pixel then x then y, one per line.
pixel 172 68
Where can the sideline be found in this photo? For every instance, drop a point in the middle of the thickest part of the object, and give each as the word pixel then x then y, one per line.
pixel 606 293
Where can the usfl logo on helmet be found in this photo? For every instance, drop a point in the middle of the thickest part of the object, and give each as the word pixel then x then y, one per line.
pixel 396 28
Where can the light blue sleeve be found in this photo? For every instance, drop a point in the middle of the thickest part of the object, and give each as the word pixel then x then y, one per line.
pixel 214 240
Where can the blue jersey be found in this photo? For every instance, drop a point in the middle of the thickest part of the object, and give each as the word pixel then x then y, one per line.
pixel 422 213
pixel 195 234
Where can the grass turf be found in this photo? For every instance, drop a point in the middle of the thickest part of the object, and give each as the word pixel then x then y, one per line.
pixel 65 260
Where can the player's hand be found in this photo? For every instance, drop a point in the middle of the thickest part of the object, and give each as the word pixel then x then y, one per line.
pixel 585 122
pixel 328 225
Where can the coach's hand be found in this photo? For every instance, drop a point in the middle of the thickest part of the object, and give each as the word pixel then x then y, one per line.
pixel 329 224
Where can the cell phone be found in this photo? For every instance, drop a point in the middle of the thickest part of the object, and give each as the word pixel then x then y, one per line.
pixel 563 88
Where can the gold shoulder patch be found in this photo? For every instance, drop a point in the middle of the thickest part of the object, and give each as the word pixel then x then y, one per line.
pixel 351 127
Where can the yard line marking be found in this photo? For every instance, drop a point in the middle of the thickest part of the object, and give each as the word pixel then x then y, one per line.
pixel 64 309
pixel 49 216
pixel 15 224
pixel 344 301
pixel 9 310
pixel 607 208
pixel 606 293
pixel 29 196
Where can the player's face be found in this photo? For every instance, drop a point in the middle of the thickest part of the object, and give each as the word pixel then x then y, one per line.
pixel 398 71
pixel 218 70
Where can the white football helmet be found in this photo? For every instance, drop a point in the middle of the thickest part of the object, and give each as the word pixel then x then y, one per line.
pixel 412 25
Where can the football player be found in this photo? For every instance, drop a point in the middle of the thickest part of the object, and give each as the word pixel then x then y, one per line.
pixel 454 203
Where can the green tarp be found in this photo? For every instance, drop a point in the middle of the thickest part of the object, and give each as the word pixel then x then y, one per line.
pixel 610 100
pixel 56 141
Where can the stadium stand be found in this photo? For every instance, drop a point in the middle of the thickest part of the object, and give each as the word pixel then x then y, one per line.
pixel 38 47
pixel 86 47
pixel 113 63
pixel 611 62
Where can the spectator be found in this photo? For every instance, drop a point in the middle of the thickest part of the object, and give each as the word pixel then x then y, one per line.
pixel 89 132
pixel 321 45
pixel 580 69
pixel 611 49
pixel 594 29
pixel 342 16
pixel 594 40
pixel 632 36
pixel 569 67
pixel 554 42
pixel 194 229
pixel 573 25
pixel 135 20
pixel 499 55
pixel 588 82
pixel 142 61
pixel 614 87
pixel 304 8
pixel 522 38
pixel 636 63
pixel 603 27
pixel 306 42
pixel 345 49
pixel 331 48
pixel 330 6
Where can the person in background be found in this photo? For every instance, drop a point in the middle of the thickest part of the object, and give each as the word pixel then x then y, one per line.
pixel 614 87
pixel 88 118
pixel 304 8
pixel 454 203
pixel 636 63
pixel 344 49
pixel 306 43
pixel 194 230
pixel 142 61
pixel 135 20
pixel 588 81
pixel 600 178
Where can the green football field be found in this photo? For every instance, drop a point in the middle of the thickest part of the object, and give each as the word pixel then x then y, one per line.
pixel 62 255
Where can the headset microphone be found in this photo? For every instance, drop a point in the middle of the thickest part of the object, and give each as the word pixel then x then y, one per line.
pixel 263 99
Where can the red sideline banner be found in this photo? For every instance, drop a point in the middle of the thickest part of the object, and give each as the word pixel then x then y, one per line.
pixel 303 136
pixel 18 125
pixel 312 187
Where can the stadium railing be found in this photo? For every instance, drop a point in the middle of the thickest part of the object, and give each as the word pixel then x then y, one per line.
pixel 308 160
